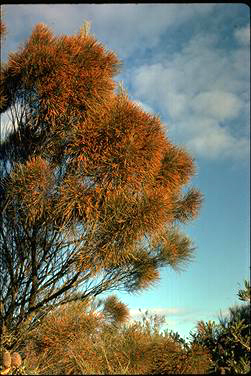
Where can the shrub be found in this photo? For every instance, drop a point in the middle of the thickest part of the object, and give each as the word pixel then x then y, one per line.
pixel 228 342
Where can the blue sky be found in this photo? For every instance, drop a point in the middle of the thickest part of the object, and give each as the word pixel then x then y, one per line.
pixel 190 64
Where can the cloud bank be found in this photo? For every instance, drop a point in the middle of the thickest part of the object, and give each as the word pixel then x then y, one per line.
pixel 174 64
pixel 202 91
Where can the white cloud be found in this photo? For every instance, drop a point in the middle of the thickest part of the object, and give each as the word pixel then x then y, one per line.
pixel 201 92
pixel 136 314
pixel 213 141
pixel 177 319
pixel 218 104
pixel 173 315
pixel 176 104
pixel 126 28
pixel 242 35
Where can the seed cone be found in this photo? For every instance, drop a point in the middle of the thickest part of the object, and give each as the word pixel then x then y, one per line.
pixel 6 359
pixel 16 360
pixel 5 371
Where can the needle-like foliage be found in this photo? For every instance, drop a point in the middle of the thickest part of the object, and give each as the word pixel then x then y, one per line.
pixel 91 188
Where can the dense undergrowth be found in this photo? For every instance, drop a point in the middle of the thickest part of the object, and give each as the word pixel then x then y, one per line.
pixel 75 339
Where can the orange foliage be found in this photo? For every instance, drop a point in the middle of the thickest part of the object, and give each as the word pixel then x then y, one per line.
pixel 90 167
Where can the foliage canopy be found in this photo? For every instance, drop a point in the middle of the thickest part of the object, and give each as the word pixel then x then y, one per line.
pixel 91 188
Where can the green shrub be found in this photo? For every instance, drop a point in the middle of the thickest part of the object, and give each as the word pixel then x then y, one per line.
pixel 228 342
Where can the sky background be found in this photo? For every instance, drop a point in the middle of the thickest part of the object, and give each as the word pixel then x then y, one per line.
pixel 190 64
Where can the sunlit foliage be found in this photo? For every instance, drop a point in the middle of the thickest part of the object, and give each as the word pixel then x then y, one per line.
pixel 78 339
pixel 91 188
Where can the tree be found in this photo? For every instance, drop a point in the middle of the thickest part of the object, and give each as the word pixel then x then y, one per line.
pixel 91 189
